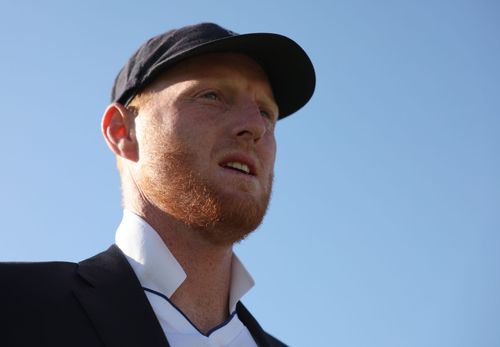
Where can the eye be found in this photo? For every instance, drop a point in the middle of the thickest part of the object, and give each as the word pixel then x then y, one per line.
pixel 268 114
pixel 210 95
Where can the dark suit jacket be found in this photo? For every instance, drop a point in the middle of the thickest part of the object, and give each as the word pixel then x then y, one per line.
pixel 97 302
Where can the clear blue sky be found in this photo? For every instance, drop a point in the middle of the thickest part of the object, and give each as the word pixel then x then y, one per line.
pixel 384 228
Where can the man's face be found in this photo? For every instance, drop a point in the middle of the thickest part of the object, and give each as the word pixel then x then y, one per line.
pixel 207 145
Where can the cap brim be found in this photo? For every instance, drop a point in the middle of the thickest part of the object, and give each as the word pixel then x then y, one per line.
pixel 287 66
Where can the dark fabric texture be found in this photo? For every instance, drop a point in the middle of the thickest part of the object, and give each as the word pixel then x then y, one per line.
pixel 97 302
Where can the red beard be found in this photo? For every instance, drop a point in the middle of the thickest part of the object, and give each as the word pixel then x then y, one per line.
pixel 174 187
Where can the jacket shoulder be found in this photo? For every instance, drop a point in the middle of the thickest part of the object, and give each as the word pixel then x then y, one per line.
pixel 274 341
pixel 18 275
pixel 261 336
pixel 39 298
pixel 37 285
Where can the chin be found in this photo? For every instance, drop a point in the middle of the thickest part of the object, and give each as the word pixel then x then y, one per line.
pixel 222 215
pixel 235 219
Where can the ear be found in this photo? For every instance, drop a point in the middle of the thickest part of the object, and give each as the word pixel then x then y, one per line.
pixel 118 130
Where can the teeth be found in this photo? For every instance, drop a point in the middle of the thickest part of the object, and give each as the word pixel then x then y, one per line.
pixel 238 166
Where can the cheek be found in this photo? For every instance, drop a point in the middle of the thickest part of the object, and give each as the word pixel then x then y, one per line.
pixel 166 132
pixel 271 149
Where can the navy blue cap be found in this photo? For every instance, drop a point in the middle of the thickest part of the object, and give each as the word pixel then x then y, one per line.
pixel 289 69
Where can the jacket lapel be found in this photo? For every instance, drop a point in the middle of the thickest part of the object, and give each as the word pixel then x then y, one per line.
pixel 259 335
pixel 115 302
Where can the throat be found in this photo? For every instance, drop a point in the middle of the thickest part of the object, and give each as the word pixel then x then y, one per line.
pixel 204 295
pixel 206 306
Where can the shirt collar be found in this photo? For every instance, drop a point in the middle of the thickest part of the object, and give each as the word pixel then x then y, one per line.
pixel 156 267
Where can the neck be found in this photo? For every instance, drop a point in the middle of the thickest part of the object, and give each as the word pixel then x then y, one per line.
pixel 204 296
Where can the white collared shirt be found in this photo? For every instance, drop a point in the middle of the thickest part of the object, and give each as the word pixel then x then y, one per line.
pixel 160 274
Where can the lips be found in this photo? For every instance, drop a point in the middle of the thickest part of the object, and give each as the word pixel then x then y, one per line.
pixel 240 163
pixel 238 166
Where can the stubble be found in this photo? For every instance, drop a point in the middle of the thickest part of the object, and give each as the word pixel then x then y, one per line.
pixel 171 183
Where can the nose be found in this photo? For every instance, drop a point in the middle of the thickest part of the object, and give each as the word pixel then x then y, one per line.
pixel 251 125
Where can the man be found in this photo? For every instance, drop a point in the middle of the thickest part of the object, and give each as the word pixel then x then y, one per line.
pixel 191 124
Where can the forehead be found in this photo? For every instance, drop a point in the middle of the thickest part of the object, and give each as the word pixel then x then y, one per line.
pixel 216 66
